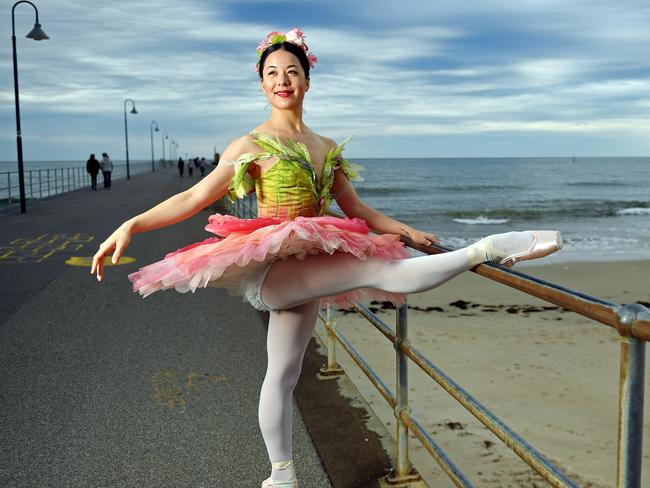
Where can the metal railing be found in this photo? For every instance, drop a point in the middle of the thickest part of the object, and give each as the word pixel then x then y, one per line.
pixel 631 321
pixel 46 182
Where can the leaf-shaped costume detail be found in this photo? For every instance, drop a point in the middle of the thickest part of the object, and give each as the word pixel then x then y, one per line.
pixel 351 170
pixel 242 183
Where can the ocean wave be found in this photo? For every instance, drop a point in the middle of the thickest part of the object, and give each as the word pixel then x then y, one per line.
pixel 557 210
pixel 598 183
pixel 634 211
pixel 476 188
pixel 370 191
pixel 481 219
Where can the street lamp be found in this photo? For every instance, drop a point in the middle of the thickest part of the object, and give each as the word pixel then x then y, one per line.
pixel 171 158
pixel 163 136
pixel 126 135
pixel 38 35
pixel 153 122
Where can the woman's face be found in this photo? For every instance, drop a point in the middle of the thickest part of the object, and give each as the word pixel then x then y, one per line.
pixel 283 81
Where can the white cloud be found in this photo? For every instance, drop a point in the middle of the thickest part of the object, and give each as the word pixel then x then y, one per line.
pixel 411 68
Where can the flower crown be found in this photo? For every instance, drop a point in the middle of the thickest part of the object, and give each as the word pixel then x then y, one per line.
pixel 294 36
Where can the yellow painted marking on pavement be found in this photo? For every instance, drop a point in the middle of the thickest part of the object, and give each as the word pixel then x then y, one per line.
pixel 88 261
pixel 38 249
pixel 167 390
pixel 198 379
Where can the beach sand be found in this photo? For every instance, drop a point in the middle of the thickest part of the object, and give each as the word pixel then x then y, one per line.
pixel 551 375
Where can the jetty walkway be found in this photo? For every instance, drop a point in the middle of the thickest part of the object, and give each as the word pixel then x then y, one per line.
pixel 101 388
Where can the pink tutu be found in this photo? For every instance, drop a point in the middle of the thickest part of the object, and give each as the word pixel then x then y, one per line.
pixel 241 254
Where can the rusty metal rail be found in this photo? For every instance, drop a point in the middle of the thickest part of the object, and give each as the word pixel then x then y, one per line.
pixel 631 321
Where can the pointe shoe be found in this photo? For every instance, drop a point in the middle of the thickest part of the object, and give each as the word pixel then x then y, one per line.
pixel 269 483
pixel 545 242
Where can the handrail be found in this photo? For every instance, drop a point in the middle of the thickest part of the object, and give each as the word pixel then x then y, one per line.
pixel 46 182
pixel 632 322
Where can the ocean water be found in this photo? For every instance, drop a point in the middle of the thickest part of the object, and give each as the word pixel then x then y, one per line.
pixel 601 205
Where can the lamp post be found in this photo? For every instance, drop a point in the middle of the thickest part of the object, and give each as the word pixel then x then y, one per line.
pixel 163 136
pixel 126 135
pixel 38 35
pixel 153 122
pixel 171 158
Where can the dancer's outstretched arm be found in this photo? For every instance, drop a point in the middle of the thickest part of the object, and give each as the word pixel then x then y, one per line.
pixel 353 206
pixel 175 209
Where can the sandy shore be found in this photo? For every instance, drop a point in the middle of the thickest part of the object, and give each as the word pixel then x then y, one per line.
pixel 549 374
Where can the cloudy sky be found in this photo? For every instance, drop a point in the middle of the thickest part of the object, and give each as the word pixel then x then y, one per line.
pixel 407 78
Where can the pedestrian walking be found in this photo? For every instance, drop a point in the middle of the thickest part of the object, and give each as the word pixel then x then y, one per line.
pixel 92 168
pixel 107 169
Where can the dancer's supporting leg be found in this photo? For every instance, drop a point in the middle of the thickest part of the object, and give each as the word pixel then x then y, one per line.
pixel 293 281
pixel 289 333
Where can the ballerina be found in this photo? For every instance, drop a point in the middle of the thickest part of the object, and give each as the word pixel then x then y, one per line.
pixel 293 259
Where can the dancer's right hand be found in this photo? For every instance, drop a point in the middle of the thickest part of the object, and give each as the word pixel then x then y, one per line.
pixel 116 243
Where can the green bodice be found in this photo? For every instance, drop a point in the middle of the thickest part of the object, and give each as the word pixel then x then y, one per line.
pixel 290 187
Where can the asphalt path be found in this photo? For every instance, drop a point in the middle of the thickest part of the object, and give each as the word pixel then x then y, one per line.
pixel 101 388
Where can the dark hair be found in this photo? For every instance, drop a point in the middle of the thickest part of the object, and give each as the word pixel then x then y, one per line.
pixel 297 51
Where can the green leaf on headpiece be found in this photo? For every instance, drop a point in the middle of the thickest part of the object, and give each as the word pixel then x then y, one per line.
pixel 278 38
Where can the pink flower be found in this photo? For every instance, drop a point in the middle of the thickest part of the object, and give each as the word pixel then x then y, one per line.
pixel 295 36
pixel 263 45
pixel 312 60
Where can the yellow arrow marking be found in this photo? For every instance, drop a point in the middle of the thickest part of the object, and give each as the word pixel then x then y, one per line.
pixel 88 261
pixel 196 379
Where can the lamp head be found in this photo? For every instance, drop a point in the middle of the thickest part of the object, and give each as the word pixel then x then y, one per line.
pixel 133 110
pixel 37 33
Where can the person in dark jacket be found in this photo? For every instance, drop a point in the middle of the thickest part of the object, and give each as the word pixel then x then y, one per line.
pixel 181 166
pixel 92 167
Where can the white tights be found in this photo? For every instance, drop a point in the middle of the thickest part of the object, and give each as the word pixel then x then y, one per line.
pixel 292 289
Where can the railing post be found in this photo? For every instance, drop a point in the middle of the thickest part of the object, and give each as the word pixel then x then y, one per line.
pixel 9 187
pixel 40 185
pixel 332 369
pixel 631 396
pixel 404 474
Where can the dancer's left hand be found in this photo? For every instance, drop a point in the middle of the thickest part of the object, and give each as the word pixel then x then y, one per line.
pixel 420 237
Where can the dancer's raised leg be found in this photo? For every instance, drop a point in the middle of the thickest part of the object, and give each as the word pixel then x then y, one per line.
pixel 293 281
pixel 288 335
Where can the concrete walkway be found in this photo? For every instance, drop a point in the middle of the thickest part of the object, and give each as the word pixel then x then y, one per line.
pixel 103 388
